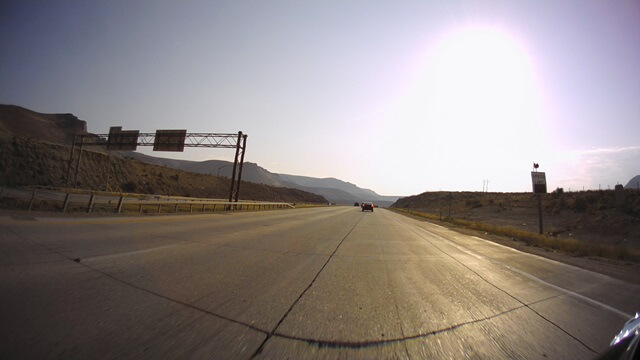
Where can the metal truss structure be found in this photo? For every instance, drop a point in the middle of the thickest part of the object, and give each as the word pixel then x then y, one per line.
pixel 129 140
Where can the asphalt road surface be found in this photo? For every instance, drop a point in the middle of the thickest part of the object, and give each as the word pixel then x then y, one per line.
pixel 305 283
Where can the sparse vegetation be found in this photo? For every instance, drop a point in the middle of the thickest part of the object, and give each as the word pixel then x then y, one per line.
pixel 129 187
pixel 569 245
pixel 26 162
pixel 585 223
pixel 580 204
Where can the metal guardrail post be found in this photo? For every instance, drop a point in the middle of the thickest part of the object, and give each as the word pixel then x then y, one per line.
pixel 120 204
pixel 33 197
pixel 175 203
pixel 90 208
pixel 66 203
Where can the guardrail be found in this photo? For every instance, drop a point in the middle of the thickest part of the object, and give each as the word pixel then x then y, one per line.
pixel 43 198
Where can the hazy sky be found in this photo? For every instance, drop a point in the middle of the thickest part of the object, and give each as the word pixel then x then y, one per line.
pixel 397 96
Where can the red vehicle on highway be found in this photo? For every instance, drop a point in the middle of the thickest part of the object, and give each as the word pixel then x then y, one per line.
pixel 367 206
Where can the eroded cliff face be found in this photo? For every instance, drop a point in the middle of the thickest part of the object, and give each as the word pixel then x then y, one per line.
pixel 53 128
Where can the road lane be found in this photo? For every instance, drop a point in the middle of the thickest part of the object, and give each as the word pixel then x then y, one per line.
pixel 326 283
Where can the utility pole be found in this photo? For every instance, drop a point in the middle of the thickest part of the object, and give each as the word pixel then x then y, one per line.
pixel 540 213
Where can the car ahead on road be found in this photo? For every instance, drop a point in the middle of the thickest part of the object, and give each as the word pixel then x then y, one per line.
pixel 367 206
pixel 356 204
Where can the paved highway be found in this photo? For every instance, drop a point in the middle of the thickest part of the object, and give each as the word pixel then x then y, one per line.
pixel 304 283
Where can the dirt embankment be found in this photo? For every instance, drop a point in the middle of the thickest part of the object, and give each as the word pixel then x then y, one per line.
pixel 585 229
pixel 24 161
pixel 590 216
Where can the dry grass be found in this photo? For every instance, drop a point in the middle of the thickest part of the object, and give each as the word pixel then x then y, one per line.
pixel 563 244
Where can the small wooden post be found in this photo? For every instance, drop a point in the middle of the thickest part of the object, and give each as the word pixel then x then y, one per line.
pixel 120 203
pixel 66 203
pixel 33 197
pixel 90 208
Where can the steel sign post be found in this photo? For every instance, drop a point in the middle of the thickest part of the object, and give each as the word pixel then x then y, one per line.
pixel 539 182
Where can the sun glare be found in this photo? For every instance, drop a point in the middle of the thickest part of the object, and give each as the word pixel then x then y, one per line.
pixel 477 77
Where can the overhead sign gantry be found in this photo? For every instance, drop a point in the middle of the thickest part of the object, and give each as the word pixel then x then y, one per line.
pixel 163 140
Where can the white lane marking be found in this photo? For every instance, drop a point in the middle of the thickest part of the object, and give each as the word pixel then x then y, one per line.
pixel 526 274
pixel 128 253
pixel 555 262
pixel 624 315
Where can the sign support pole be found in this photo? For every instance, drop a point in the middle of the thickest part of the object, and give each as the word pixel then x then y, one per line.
pixel 539 182
pixel 540 212
pixel 233 188
pixel 75 180
pixel 73 148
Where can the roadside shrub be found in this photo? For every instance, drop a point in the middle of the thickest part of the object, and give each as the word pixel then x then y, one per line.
pixel 473 203
pixel 129 187
pixel 580 204
pixel 565 244
pixel 151 189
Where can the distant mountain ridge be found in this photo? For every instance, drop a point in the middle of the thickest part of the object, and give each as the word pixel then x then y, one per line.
pixel 61 128
pixel 334 190
pixel 634 183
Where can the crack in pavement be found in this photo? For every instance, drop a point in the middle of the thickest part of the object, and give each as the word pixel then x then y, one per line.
pixel 371 343
pixel 261 347
pixel 336 344
pixel 320 343
pixel 395 300
pixel 492 284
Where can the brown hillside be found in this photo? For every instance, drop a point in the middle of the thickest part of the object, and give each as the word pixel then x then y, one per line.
pixel 53 128
pixel 28 162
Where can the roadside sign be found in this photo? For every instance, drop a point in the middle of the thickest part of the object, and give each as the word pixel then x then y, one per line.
pixel 169 140
pixel 122 140
pixel 539 181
